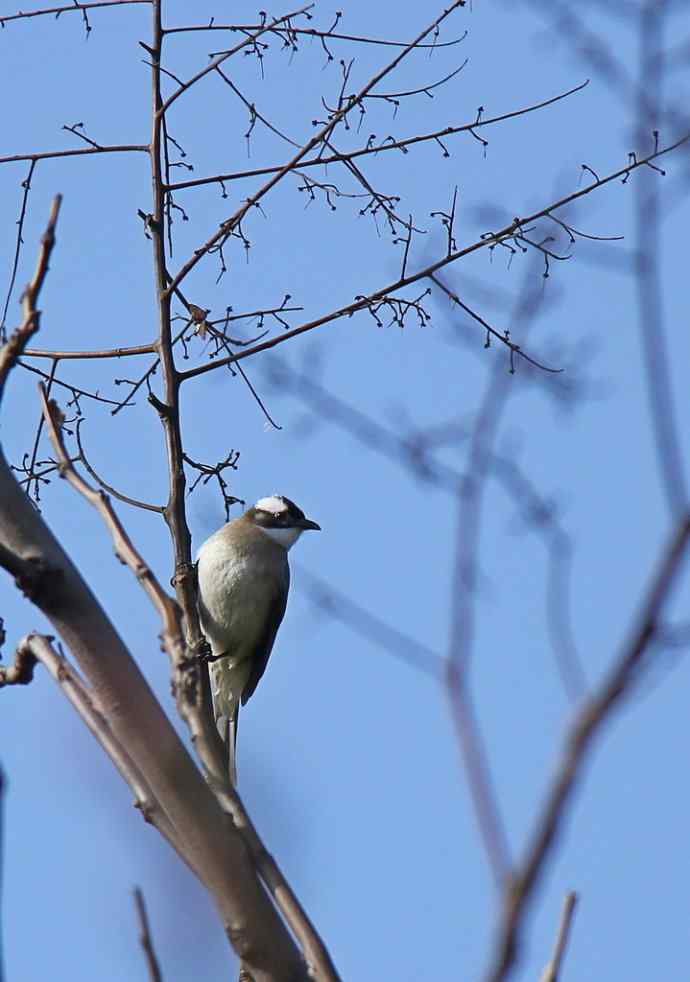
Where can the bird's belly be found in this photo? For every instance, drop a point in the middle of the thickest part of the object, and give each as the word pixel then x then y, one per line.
pixel 232 616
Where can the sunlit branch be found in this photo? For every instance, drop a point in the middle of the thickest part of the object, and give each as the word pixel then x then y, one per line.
pixel 552 970
pixel 137 349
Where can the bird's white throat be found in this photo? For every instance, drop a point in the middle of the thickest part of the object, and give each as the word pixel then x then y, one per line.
pixel 284 537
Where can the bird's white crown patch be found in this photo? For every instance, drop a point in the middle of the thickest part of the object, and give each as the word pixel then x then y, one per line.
pixel 273 504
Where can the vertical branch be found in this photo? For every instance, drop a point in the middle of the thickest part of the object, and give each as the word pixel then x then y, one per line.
pixel 647 278
pixel 145 938
pixel 169 408
pixel 26 185
pixel 196 691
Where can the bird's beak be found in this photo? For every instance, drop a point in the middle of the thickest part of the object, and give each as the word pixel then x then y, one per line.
pixel 306 523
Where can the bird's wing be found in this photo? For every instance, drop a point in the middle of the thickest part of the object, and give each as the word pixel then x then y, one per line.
pixel 260 656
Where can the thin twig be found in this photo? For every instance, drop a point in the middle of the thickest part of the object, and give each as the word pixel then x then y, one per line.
pixel 17 341
pixel 124 549
pixel 388 145
pixel 26 185
pixel 319 137
pixel 135 502
pixel 145 938
pixel 137 349
pixel 79 151
pixel 309 32
pixel 363 302
pixel 163 108
pixel 66 10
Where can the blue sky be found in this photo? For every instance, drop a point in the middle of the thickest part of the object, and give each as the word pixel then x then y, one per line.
pixel 348 757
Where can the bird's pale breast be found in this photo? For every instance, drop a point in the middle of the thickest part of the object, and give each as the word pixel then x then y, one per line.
pixel 232 589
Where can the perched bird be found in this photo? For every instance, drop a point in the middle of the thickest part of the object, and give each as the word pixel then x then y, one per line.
pixel 243 578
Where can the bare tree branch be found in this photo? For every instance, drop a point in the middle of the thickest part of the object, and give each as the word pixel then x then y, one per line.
pixel 145 938
pixel 319 137
pixel 15 345
pixel 489 240
pixel 552 970
pixel 79 151
pixel 388 144
pixel 579 741
pixel 75 6
pixel 131 710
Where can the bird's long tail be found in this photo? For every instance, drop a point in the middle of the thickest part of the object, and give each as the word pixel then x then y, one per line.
pixel 231 744
pixel 228 679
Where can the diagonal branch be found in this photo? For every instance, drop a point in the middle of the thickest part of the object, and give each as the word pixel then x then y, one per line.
pixel 390 144
pixel 38 648
pixel 552 970
pixel 145 937
pixel 578 744
pixel 322 135
pixel 487 241
pixel 17 342
pixel 163 108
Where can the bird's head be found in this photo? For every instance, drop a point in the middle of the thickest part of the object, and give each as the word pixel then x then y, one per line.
pixel 280 519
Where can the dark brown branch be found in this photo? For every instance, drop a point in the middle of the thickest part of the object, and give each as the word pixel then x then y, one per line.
pixel 491 239
pixel 578 745
pixel 388 145
pixel 145 938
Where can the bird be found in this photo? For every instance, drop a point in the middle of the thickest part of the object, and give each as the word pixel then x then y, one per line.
pixel 243 581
